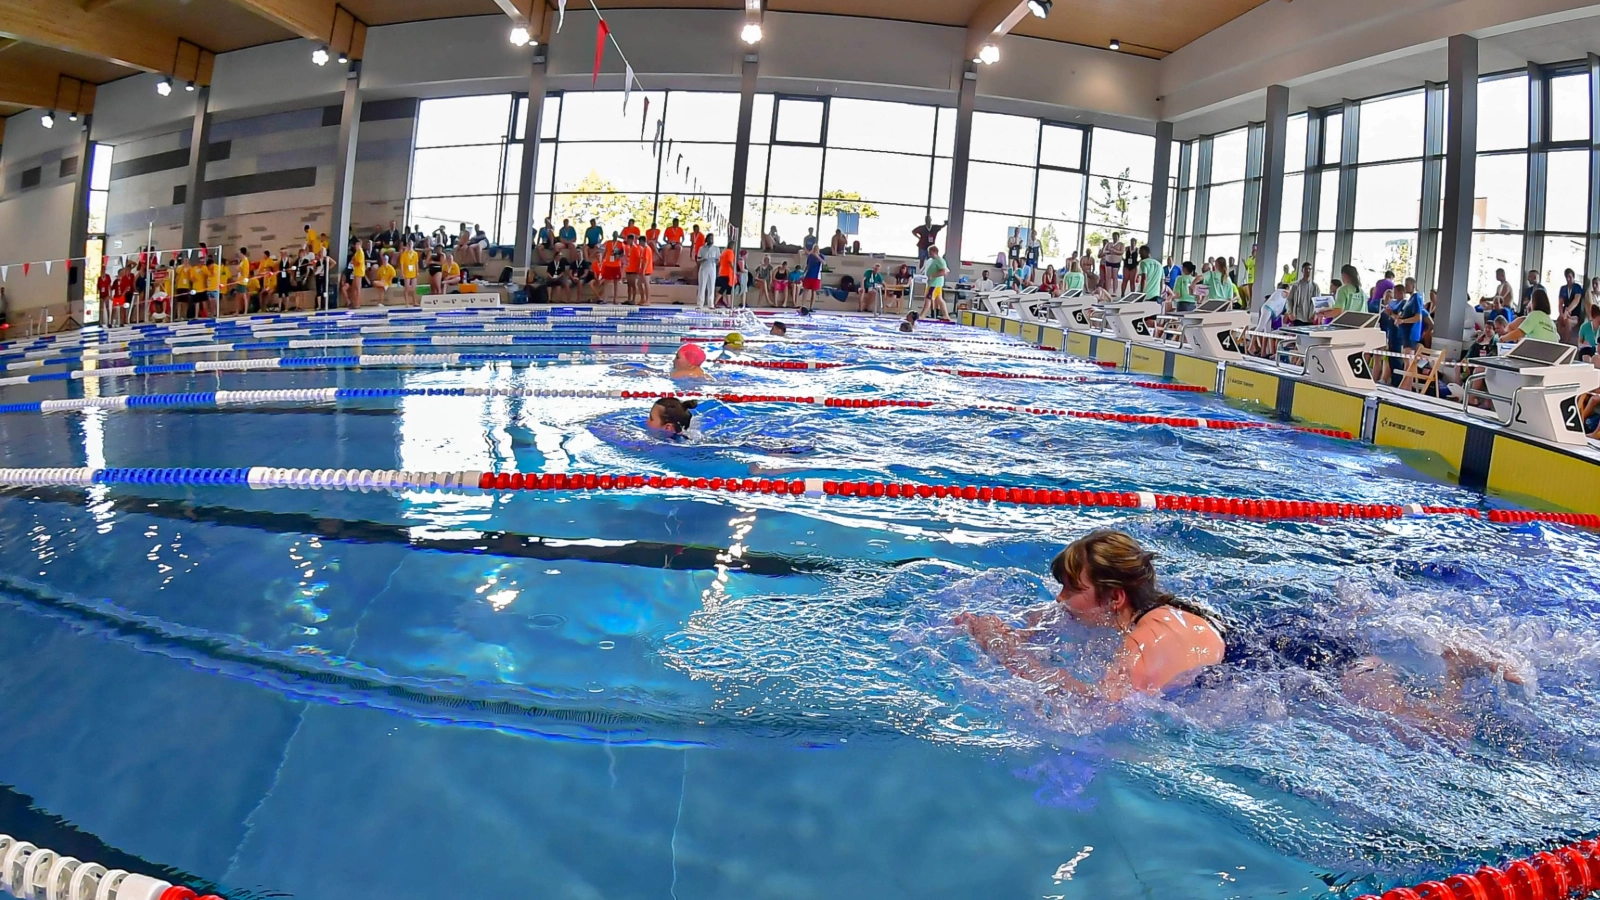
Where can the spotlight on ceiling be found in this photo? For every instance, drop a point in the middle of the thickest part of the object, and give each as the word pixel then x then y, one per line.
pixel 48 120
pixel 1040 8
pixel 520 36
pixel 72 116
pixel 751 33
pixel 320 56
pixel 988 54
pixel 164 87
pixel 189 86
pixel 343 57
pixel 1116 44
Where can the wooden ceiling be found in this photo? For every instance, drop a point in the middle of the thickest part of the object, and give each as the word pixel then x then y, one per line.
pixel 47 45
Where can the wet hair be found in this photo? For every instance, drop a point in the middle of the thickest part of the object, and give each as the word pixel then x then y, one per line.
pixel 803 312
pixel 1107 560
pixel 779 328
pixel 676 414
pixel 912 316
pixel 907 327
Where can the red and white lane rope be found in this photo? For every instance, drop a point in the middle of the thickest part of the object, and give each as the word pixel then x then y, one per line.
pixel 1571 871
pixel 265 478
pixel 38 873
pixel 799 366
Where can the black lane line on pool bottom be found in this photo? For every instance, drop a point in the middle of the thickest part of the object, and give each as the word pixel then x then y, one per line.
pixel 642 554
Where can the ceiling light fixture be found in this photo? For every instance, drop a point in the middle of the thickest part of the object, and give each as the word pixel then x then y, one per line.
pixel 988 54
pixel 48 120
pixel 1040 8
pixel 164 87
pixel 320 56
pixel 751 33
pixel 72 116
pixel 1116 44
pixel 189 86
pixel 343 57
pixel 520 36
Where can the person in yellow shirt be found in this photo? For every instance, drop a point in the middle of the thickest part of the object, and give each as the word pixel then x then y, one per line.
pixel 386 276
pixel 314 240
pixel 452 272
pixel 267 270
pixel 409 261
pixel 218 280
pixel 239 281
pixel 182 290
pixel 355 273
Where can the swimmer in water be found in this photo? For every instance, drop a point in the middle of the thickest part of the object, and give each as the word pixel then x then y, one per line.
pixel 779 329
pixel 671 415
pixel 687 362
pixel 1109 581
pixel 733 343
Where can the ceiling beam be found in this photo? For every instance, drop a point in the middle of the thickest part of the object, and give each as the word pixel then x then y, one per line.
pixel 92 5
pixel 30 86
pixel 7 44
pixel 991 19
pixel 111 34
pixel 323 21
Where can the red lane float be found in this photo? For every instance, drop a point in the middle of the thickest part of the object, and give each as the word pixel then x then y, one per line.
pixel 1571 871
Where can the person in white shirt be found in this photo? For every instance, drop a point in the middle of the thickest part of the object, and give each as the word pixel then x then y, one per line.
pixel 985 283
pixel 708 272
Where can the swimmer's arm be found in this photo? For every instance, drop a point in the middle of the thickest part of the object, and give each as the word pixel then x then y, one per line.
pixel 1007 646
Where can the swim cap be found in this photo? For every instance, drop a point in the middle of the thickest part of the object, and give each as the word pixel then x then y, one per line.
pixel 692 354
pixel 734 341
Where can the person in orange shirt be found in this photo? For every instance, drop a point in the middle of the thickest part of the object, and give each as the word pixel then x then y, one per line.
pixel 674 244
pixel 652 238
pixel 611 264
pixel 648 268
pixel 725 266
pixel 633 255
pixel 631 230
pixel 697 239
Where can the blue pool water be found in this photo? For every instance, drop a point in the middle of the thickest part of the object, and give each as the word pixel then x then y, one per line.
pixel 661 694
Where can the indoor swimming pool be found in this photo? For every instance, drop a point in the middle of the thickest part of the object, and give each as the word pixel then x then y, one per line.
pixel 686 692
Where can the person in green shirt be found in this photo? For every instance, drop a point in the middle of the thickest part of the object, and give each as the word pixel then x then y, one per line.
pixel 935 269
pixel 1183 290
pixel 1072 280
pixel 1589 332
pixel 1537 324
pixel 1216 282
pixel 1350 297
pixel 1291 273
pixel 1250 270
pixel 872 288
pixel 1149 274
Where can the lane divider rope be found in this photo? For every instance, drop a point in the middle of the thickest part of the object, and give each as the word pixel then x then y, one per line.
pixel 38 873
pixel 1570 871
pixel 266 477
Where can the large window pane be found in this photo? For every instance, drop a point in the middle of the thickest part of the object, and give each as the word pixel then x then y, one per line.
pixel 1491 252
pixel 985 234
pixel 1389 196
pixel 597 115
pixel 1007 139
pixel 687 208
pixel 1294 198
pixel 1569 108
pixel 706 168
pixel 1294 151
pixel 791 218
pixel 463 120
pixel 1328 201
pixel 875 125
pixel 1567 200
pixel 602 167
pixel 1118 153
pixel 448 171
pixel 1562 252
pixel 1374 253
pixel 1223 245
pixel 1057 238
pixel 940 195
pixel 451 212
pixel 512 181
pixel 799 121
pixel 1226 211
pixel 1502 189
pixel 995 187
pixel 944 142
pixel 550 121
pixel 1061 146
pixel 885 177
pixel 1118 203
pixel 1503 113
pixel 755 182
pixel 545 177
pixel 695 116
pixel 795 172
pixel 1227 156
pixel 1060 195
pixel 1391 128
pixel 885 228
pixel 100 167
pixel 761 119
pixel 97 211
pixel 1322 269
pixel 1332 138
pixel 1288 255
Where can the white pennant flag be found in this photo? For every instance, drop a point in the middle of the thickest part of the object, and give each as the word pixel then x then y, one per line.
pixel 561 14
pixel 47 267
pixel 627 86
pixel 3 272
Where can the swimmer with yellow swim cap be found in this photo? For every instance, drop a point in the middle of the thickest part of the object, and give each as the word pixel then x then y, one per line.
pixel 734 342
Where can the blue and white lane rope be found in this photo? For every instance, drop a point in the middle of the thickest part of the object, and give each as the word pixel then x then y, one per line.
pixel 294 396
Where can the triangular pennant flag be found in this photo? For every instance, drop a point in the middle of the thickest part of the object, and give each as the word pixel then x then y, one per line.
pixel 600 34
pixel 47 267
pixel 679 166
pixel 561 14
pixel 3 270
pixel 25 267
pixel 646 117
pixel 627 85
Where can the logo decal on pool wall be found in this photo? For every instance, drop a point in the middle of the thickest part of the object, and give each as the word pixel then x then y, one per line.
pixel 1386 422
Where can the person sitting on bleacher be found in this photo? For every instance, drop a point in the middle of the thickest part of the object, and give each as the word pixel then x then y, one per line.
pixel 1537 324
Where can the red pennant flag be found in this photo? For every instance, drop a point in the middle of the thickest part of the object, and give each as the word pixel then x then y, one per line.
pixel 25 267
pixel 599 48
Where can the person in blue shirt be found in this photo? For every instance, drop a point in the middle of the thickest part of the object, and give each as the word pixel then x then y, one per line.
pixel 593 235
pixel 547 235
pixel 568 234
pixel 1174 272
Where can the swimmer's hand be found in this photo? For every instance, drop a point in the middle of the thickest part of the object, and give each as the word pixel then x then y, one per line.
pixel 1461 659
pixel 997 638
pixel 1007 646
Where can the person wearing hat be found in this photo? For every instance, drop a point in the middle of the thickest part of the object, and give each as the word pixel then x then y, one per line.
pixel 733 343
pixel 687 362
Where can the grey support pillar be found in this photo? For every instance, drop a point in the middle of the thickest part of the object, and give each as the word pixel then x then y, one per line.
pixel 741 149
pixel 344 166
pixel 1311 199
pixel 1274 146
pixel 1426 264
pixel 1538 176
pixel 530 159
pixel 78 239
pixel 1343 235
pixel 1593 248
pixel 1250 210
pixel 1161 186
pixel 194 194
pixel 1460 189
pixel 1202 200
pixel 966 101
pixel 1180 217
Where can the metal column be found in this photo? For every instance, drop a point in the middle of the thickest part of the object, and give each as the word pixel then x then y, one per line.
pixel 530 160
pixel 344 166
pixel 1274 146
pixel 1311 199
pixel 1460 185
pixel 1344 224
pixel 1426 265
pixel 741 149
pixel 1182 240
pixel 1592 251
pixel 1160 186
pixel 1202 199
pixel 194 194
pixel 78 238
pixel 1250 211
pixel 1538 175
pixel 962 154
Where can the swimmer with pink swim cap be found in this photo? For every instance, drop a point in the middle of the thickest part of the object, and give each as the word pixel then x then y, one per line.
pixel 687 362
